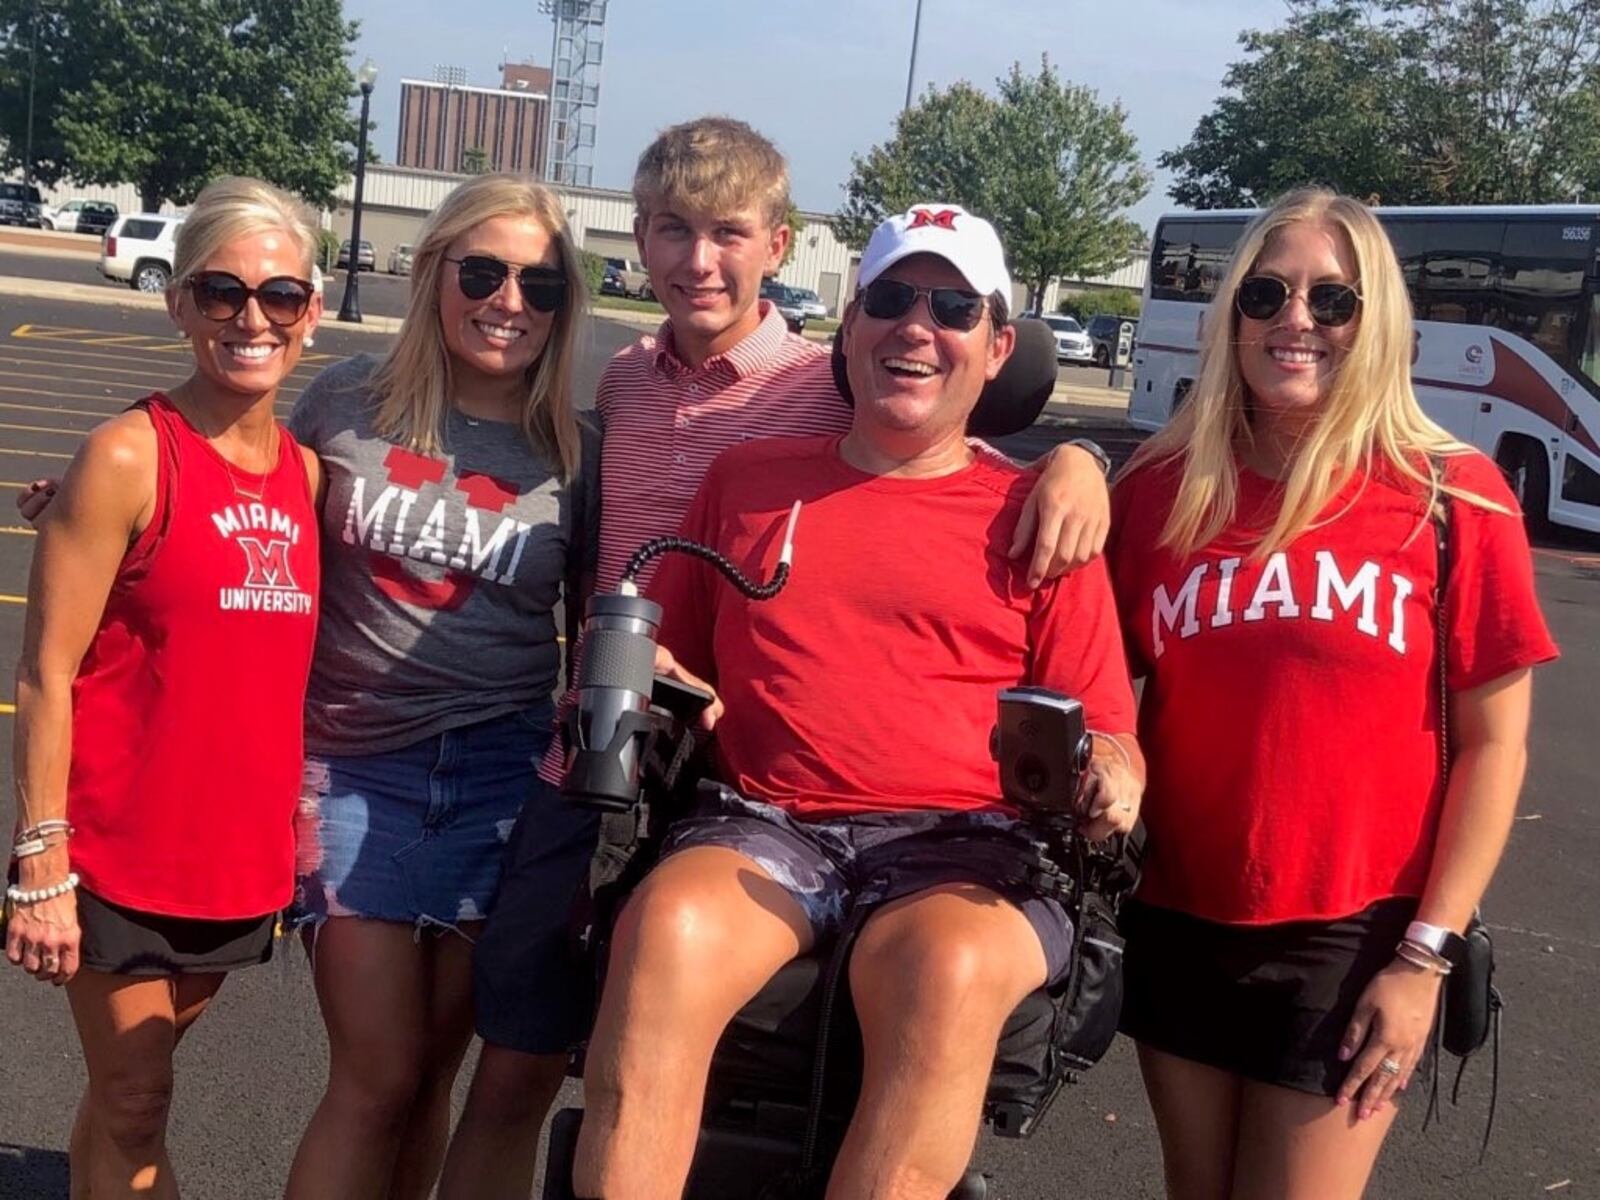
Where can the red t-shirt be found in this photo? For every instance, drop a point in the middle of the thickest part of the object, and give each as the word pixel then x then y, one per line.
pixel 869 683
pixel 1290 714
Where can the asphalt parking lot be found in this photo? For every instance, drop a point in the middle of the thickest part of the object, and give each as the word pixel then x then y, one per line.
pixel 250 1074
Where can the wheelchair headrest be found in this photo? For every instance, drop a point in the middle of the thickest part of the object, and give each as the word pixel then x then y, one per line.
pixel 1013 399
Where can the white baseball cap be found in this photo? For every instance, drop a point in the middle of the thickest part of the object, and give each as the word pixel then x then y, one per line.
pixel 965 241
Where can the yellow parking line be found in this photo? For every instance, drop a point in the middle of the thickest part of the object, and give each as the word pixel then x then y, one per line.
pixel 75 366
pixel 9 710
pixel 13 599
pixel 34 453
pixel 62 377
pixel 102 414
pixel 74 355
pixel 142 341
pixel 45 429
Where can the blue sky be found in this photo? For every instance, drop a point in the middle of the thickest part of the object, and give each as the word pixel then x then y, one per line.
pixel 825 79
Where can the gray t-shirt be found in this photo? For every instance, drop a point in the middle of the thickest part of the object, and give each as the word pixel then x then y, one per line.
pixel 439 575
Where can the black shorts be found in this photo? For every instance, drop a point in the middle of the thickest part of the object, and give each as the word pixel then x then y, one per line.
pixel 831 866
pixel 126 941
pixel 530 990
pixel 1267 1002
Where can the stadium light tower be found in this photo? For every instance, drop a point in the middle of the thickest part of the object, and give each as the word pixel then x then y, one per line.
pixel 577 49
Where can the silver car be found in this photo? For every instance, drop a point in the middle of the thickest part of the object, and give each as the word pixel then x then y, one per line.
pixel 400 259
pixel 1072 342
pixel 815 309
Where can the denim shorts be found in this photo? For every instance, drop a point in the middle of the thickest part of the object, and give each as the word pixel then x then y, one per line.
pixel 830 867
pixel 416 835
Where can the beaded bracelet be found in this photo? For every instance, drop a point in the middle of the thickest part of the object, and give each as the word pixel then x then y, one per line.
pixel 19 895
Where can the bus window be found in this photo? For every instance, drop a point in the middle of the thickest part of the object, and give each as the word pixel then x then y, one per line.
pixel 1410 240
pixel 1213 249
pixel 1542 285
pixel 1461 273
pixel 1170 260
pixel 1589 364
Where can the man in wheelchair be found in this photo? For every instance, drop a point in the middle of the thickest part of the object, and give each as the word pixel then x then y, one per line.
pixel 851 739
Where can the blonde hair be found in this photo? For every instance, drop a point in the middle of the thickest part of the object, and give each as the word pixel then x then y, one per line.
pixel 1370 418
pixel 712 165
pixel 234 207
pixel 413 383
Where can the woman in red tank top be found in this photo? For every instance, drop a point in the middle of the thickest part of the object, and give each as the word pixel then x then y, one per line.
pixel 171 613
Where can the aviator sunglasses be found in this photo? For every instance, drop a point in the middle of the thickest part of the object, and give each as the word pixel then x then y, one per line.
pixel 479 276
pixel 221 296
pixel 1262 297
pixel 952 308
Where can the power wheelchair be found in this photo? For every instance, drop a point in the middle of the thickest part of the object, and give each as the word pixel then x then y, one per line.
pixel 785 1075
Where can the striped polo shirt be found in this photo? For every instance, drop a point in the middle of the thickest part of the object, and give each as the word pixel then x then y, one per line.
pixel 663 422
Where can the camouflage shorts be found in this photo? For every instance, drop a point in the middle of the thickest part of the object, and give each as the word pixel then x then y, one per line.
pixel 830 867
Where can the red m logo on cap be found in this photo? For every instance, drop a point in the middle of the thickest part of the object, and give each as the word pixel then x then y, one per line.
pixel 943 218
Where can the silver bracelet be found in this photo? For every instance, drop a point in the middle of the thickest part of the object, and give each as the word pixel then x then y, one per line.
pixel 19 895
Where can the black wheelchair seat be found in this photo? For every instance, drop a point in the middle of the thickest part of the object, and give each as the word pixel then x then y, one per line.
pixel 770 1049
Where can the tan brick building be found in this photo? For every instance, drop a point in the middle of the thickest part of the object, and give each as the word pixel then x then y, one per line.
pixel 442 123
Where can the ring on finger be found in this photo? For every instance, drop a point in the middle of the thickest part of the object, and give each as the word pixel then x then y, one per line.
pixel 1390 1066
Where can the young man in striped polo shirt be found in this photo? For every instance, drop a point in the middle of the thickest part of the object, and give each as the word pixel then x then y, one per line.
pixel 712 198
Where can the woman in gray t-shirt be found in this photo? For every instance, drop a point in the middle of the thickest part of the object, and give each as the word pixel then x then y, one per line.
pixel 461 506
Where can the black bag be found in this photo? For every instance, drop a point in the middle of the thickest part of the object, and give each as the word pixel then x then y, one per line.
pixel 1091 996
pixel 1470 1006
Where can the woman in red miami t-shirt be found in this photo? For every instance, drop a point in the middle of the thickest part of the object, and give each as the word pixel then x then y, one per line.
pixel 171 612
pixel 1275 565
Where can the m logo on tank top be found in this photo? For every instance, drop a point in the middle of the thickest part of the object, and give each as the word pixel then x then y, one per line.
pixel 264 535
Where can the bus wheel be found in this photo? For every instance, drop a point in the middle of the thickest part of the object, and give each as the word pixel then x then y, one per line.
pixel 1528 472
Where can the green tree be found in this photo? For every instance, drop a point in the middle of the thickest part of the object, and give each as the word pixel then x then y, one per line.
pixel 1407 101
pixel 1050 165
pixel 474 161
pixel 797 225
pixel 169 94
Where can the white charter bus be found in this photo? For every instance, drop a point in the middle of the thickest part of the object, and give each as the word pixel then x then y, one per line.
pixel 1507 302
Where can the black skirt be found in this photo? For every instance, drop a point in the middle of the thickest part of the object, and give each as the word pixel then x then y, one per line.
pixel 125 941
pixel 1267 1002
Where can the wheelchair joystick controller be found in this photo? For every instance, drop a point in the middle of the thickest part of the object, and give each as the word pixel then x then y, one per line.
pixel 621 704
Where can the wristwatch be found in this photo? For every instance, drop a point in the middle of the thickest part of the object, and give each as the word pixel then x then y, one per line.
pixel 1094 451
pixel 1446 943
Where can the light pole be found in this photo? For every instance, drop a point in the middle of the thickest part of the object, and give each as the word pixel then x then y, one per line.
pixel 916 35
pixel 33 71
pixel 350 305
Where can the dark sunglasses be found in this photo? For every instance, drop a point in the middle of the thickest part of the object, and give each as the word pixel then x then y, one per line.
pixel 221 296
pixel 479 276
pixel 952 308
pixel 1262 297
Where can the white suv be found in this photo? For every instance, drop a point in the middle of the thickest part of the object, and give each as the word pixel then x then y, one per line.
pixel 138 250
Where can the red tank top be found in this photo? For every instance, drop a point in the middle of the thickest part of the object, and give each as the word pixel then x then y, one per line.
pixel 188 707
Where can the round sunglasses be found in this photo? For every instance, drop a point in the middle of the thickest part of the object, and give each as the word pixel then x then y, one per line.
pixel 480 276
pixel 221 296
pixel 952 308
pixel 1262 297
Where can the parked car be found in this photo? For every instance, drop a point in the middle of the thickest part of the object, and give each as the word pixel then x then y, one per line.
pixel 399 259
pixel 1103 331
pixel 635 280
pixel 96 217
pixel 612 282
pixel 366 260
pixel 786 302
pixel 815 309
pixel 21 204
pixel 1072 343
pixel 138 250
